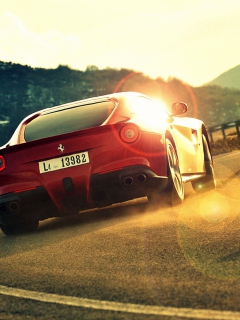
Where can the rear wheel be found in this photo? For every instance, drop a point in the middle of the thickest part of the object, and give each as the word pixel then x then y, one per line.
pixel 24 227
pixel 208 182
pixel 174 191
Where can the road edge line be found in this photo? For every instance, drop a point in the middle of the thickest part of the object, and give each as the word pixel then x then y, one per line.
pixel 119 306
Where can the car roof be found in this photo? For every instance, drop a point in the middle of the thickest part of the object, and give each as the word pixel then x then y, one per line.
pixel 113 96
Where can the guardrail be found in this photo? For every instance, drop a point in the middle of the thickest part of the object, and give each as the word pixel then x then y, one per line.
pixel 223 127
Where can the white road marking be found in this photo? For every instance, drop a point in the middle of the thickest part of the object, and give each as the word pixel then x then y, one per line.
pixel 118 306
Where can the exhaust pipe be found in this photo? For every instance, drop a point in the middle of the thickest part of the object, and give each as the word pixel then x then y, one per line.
pixel 13 206
pixel 128 181
pixel 141 178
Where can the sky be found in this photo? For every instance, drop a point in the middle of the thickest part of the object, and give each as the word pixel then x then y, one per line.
pixel 192 40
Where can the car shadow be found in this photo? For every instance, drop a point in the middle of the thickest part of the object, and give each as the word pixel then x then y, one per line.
pixel 60 229
pixel 55 230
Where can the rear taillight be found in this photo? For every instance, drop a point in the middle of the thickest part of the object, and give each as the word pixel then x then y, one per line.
pixel 2 163
pixel 129 133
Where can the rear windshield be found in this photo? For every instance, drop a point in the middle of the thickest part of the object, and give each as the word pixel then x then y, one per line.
pixel 68 120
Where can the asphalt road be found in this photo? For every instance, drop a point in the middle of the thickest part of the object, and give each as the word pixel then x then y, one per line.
pixel 131 261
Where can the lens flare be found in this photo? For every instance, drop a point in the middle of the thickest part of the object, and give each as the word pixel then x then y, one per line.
pixel 214 208
pixel 207 224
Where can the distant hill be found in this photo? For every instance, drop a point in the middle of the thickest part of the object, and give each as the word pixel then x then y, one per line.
pixel 228 79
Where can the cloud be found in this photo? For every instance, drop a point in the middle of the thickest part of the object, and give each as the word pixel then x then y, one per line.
pixel 48 49
pixel 191 39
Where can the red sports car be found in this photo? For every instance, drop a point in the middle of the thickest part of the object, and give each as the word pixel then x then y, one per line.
pixel 96 152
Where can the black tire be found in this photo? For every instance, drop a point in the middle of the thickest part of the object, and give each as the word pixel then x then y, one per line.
pixel 14 229
pixel 174 192
pixel 208 182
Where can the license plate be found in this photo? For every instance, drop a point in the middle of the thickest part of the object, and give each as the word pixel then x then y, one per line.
pixel 72 160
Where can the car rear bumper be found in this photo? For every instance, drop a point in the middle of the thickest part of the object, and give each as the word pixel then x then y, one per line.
pixel 125 184
pixel 33 204
pixel 105 189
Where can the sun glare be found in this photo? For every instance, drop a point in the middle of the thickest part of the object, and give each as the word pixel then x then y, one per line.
pixel 152 115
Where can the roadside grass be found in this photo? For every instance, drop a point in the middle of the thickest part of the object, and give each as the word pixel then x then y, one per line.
pixel 231 143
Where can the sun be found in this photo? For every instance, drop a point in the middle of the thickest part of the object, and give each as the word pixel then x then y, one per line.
pixel 152 114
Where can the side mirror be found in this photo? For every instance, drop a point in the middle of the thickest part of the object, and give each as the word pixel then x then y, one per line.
pixel 179 108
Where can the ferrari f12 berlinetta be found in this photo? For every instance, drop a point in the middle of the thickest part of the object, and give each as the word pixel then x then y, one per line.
pixel 99 151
